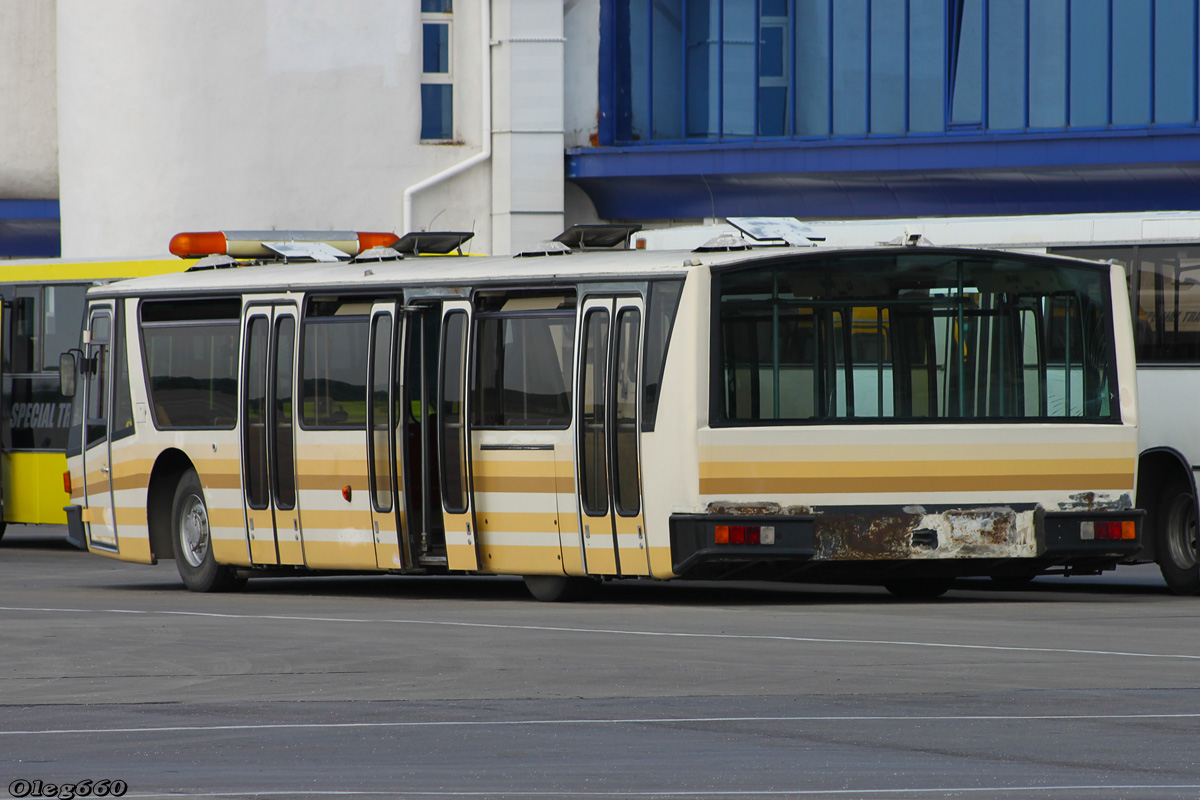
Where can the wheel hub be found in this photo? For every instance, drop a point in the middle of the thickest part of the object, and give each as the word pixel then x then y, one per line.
pixel 193 531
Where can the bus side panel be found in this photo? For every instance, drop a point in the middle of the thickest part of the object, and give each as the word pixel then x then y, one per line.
pixel 335 529
pixel 516 502
pixel 220 475
pixel 130 477
pixel 33 491
pixel 568 509
pixel 670 471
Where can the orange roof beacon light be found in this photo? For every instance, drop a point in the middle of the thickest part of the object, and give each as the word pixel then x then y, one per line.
pixel 257 244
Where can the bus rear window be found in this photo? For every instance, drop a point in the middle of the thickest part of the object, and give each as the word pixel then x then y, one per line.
pixel 913 336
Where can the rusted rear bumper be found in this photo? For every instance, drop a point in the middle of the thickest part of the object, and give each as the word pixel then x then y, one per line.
pixel 874 544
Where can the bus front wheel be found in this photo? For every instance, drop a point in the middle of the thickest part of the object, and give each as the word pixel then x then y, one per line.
pixel 192 542
pixel 1176 531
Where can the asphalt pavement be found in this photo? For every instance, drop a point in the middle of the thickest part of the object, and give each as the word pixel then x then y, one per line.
pixel 364 686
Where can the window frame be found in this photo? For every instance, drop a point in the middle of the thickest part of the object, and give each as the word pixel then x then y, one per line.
pixel 719 418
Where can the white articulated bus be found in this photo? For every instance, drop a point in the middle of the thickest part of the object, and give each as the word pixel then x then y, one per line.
pixel 890 415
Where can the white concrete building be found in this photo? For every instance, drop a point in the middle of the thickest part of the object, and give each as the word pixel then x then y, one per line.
pixel 147 117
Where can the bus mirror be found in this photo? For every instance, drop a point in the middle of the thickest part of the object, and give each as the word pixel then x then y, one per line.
pixel 66 374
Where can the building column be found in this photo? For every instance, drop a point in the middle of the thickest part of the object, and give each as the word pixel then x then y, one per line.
pixel 527 123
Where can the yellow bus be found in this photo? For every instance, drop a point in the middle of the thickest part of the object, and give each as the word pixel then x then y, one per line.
pixel 40 316
pixel 615 414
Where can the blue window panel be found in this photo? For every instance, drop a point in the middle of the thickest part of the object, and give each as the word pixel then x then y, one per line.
pixel 633 17
pixel 1048 64
pixel 966 96
pixel 1174 61
pixel 435 53
pixel 703 64
pixel 812 67
pixel 774 8
pixel 437 121
pixel 926 66
pixel 772 110
pixel 771 49
pixel 666 108
pixel 850 54
pixel 435 6
pixel 888 66
pixel 1006 64
pixel 1131 62
pixel 1089 63
pixel 739 33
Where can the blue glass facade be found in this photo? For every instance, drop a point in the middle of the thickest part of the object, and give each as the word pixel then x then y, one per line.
pixel 811 88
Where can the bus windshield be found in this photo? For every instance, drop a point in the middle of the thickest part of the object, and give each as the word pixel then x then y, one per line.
pixel 898 336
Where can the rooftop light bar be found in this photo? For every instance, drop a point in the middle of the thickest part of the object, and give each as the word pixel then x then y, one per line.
pixel 250 244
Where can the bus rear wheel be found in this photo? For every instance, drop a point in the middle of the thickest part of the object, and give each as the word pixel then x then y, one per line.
pixel 192 542
pixel 1176 532
pixel 560 588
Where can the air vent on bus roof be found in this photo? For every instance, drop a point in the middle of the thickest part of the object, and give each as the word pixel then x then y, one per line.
pixel 438 243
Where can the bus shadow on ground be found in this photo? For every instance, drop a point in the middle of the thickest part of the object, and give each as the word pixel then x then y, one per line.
pixel 974 591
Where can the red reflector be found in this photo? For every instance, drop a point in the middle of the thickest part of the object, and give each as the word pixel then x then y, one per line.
pixel 752 534
pixel 721 535
pixel 67 482
pixel 346 493
pixel 1108 530
pixel 737 534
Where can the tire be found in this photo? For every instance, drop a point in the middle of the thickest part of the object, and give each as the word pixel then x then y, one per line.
pixel 919 589
pixel 560 588
pixel 1175 537
pixel 191 542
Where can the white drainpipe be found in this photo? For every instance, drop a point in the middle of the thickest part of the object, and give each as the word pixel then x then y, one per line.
pixel 485 91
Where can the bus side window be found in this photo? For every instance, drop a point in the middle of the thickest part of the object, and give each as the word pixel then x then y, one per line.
pixel 24 331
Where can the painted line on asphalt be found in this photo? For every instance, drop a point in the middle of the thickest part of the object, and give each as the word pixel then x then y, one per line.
pixel 262 726
pixel 611 632
pixel 929 791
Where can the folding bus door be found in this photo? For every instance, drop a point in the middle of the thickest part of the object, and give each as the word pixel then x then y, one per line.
pixel 453 443
pixel 383 419
pixel 268 436
pixel 608 421
pixel 97 454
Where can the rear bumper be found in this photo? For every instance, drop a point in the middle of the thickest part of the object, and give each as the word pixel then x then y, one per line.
pixel 865 545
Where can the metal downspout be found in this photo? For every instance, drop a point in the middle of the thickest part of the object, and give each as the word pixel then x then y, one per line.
pixel 485 115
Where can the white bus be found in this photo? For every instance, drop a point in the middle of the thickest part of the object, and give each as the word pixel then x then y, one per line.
pixel 896 415
pixel 1160 252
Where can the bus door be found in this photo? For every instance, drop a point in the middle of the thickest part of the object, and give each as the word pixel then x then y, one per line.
pixel 383 419
pixel 423 530
pixel 268 435
pixel 608 421
pixel 97 453
pixel 453 439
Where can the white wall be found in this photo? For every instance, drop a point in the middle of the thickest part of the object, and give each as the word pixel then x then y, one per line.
pixel 581 25
pixel 28 111
pixel 250 114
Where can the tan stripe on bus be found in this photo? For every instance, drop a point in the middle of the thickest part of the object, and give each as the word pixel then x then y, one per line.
pixel 874 484
pixel 895 469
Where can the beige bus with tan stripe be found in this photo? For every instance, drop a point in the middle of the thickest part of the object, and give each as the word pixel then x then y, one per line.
pixel 901 416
